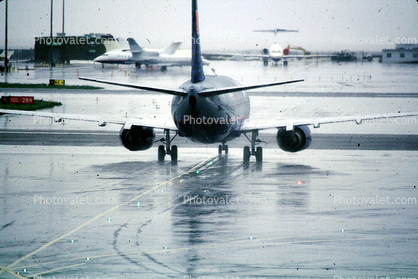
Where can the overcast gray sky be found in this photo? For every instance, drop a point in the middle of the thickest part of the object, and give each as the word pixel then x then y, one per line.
pixel 224 24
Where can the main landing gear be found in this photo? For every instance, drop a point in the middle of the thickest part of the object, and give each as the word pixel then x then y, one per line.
pixel 168 149
pixel 223 147
pixel 257 152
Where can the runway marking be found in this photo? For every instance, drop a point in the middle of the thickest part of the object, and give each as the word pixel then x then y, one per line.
pixel 56 269
pixel 2 268
pixel 246 242
pixel 101 215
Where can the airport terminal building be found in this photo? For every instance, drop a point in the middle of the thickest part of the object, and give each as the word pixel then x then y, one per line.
pixel 62 49
pixel 403 53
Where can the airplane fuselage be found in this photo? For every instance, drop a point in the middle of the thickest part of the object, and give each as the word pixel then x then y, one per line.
pixel 276 53
pixel 145 57
pixel 210 119
pixel 115 57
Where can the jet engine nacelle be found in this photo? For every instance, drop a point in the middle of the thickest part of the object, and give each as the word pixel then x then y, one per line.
pixel 294 141
pixel 137 138
pixel 286 51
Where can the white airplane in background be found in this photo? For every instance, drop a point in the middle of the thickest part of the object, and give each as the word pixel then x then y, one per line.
pixel 123 53
pixel 276 52
pixel 209 109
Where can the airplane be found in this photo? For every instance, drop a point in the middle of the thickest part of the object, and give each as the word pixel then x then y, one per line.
pixel 134 54
pixel 9 55
pixel 209 109
pixel 276 52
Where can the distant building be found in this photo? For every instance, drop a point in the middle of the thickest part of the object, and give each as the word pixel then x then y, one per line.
pixel 403 53
pixel 63 48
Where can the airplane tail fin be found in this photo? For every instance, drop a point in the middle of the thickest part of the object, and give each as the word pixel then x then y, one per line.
pixel 171 48
pixel 123 44
pixel 135 48
pixel 9 54
pixel 197 67
pixel 112 44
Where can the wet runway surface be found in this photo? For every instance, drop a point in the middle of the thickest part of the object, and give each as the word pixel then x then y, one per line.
pixel 320 141
pixel 75 204
pixel 106 212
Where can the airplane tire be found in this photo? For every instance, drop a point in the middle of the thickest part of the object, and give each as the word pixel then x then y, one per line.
pixel 174 154
pixel 220 150
pixel 161 153
pixel 247 154
pixel 226 149
pixel 259 154
pixel 285 63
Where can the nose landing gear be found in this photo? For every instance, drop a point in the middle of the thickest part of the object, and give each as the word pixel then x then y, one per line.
pixel 223 147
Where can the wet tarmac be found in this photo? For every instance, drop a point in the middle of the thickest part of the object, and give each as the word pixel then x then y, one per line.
pixel 320 141
pixel 76 204
pixel 105 212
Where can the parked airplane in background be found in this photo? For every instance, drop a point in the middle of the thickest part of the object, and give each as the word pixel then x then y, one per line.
pixel 9 55
pixel 134 54
pixel 276 52
pixel 209 109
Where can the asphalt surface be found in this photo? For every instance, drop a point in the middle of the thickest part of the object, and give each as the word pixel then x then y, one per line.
pixel 81 211
pixel 320 141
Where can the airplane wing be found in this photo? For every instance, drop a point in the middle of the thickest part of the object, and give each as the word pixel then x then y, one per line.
pixel 261 56
pixel 306 56
pixel 228 55
pixel 102 121
pixel 317 121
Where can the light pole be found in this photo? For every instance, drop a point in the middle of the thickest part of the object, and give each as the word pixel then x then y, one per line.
pixel 63 14
pixel 6 60
pixel 51 34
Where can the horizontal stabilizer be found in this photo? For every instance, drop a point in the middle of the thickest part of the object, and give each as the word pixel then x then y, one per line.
pixel 277 30
pixel 178 92
pixel 214 92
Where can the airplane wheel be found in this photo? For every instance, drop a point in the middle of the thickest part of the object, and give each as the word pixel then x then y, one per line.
pixel 247 154
pixel 220 150
pixel 265 62
pixel 163 68
pixel 259 154
pixel 161 153
pixel 226 149
pixel 174 155
pixel 285 63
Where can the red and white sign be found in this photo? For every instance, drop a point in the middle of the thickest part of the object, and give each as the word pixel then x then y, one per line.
pixel 21 100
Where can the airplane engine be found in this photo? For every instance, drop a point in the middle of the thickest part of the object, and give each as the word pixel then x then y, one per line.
pixel 294 141
pixel 137 138
pixel 286 51
pixel 265 59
